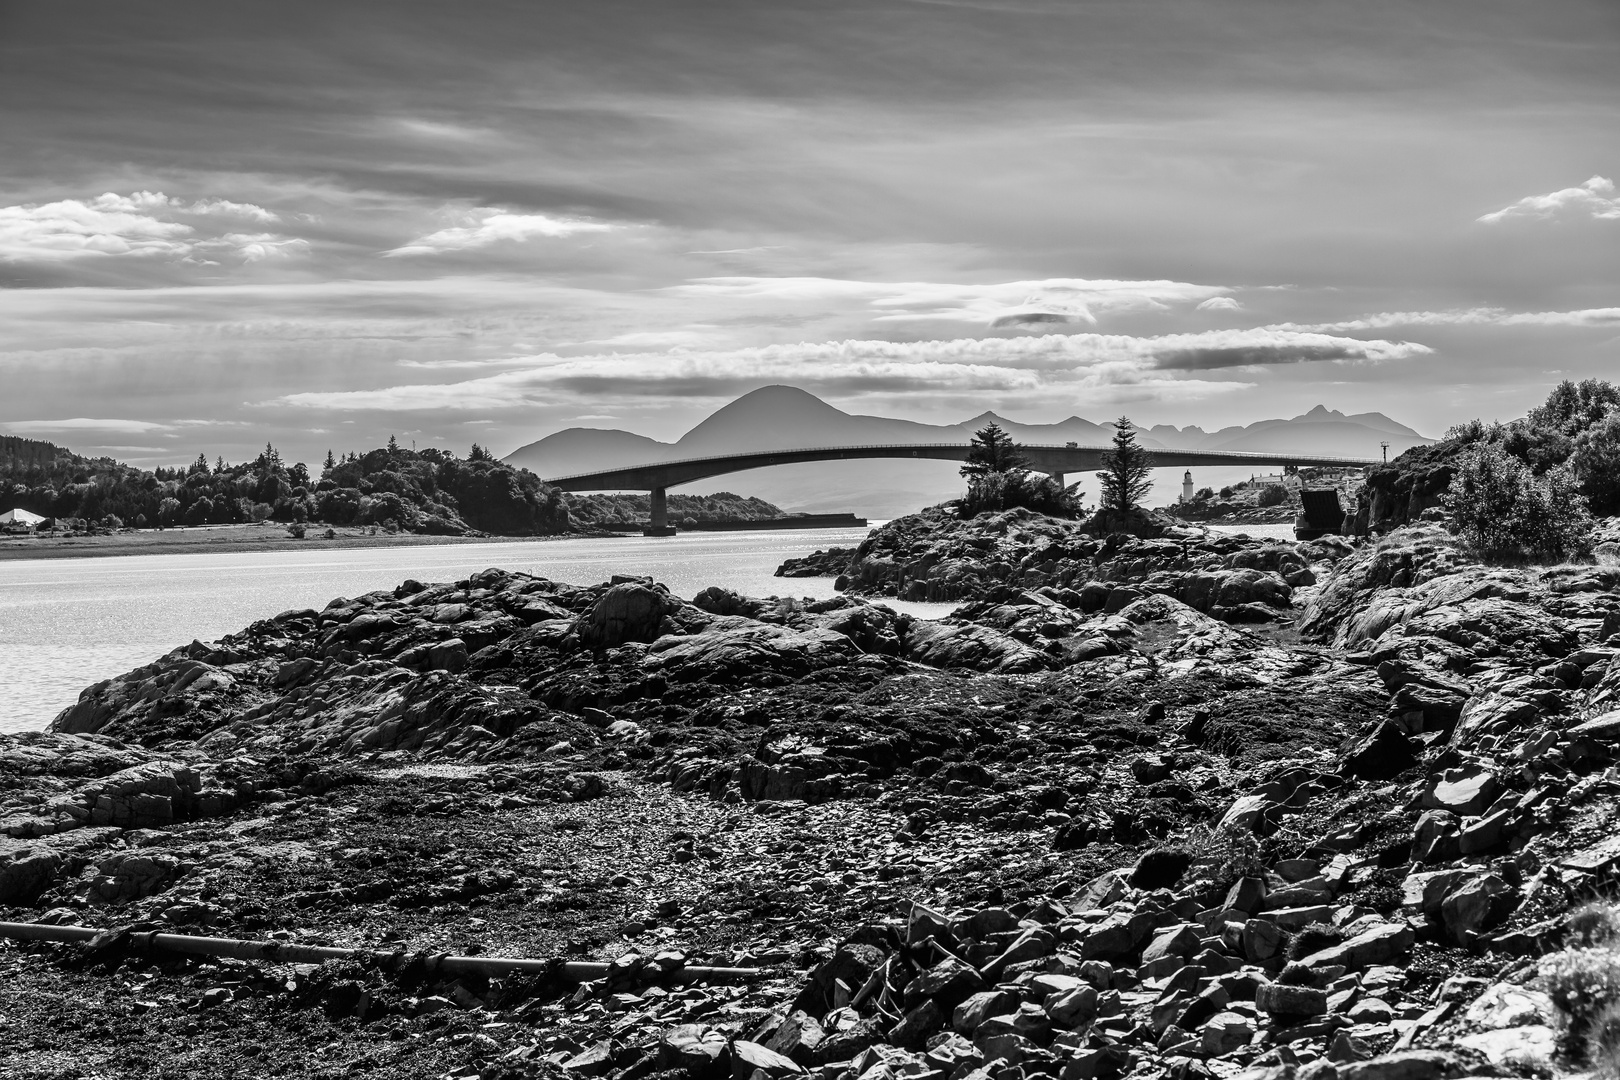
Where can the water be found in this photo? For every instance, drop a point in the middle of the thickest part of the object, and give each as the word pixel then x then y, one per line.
pixel 67 623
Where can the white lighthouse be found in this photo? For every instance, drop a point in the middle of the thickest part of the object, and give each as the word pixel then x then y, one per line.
pixel 1186 487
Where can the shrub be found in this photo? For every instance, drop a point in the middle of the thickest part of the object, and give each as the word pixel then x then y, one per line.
pixel 1502 509
pixel 992 492
pixel 296 530
pixel 1584 985
pixel 1274 495
pixel 1225 855
pixel 1226 492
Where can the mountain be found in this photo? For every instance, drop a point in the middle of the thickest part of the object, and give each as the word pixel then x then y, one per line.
pixel 785 417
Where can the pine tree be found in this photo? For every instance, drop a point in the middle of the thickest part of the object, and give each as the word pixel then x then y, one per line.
pixel 328 465
pixel 478 453
pixel 1127 471
pixel 992 451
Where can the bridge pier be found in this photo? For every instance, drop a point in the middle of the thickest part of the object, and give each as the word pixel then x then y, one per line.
pixel 658 522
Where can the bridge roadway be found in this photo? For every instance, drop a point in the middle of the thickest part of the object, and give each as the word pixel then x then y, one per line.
pixel 659 476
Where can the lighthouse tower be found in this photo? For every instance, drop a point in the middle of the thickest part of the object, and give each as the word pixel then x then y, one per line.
pixel 1186 487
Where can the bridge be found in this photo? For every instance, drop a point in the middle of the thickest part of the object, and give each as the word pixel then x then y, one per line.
pixel 658 477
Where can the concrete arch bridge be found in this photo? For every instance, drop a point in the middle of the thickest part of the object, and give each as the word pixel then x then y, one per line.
pixel 658 477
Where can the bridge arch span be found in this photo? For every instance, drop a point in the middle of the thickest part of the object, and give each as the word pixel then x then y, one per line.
pixel 658 477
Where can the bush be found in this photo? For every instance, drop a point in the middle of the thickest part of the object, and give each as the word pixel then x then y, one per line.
pixel 1584 985
pixel 1273 495
pixel 992 492
pixel 1503 510
pixel 296 530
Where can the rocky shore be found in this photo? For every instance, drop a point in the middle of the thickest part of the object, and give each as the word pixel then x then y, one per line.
pixel 1191 806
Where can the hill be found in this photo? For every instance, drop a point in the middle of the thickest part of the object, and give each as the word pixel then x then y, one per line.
pixel 784 417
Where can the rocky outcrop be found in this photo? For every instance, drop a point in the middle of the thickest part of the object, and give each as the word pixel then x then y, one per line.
pixel 1110 817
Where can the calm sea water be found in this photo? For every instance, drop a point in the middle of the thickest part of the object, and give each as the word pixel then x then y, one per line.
pixel 67 623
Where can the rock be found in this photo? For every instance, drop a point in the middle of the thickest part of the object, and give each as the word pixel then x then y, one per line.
pixel 701 1052
pixel 1406 1065
pixel 1225 1032
pixel 1279 999
pixel 1465 792
pixel 1149 768
pixel 1477 905
pixel 594 1060
pixel 1383 755
pixel 1244 813
pixel 974 648
pixel 969 1016
pixel 916 1025
pixel 1180 940
pixel 1379 945
pixel 797 1037
pixel 948 982
pixel 1160 869
pixel 750 1058
pixel 625 612
pixel 26 872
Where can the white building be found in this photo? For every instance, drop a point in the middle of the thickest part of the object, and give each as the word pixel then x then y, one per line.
pixel 15 519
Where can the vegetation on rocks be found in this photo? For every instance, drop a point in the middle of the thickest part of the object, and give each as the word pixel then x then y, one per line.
pixel 999 478
pixel 1578 426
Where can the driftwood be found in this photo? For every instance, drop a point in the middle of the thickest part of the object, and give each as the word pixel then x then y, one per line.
pixel 287 953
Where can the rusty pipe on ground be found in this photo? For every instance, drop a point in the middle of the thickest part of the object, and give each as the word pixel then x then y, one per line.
pixel 278 952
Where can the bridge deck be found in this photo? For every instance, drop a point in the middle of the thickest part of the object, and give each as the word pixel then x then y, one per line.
pixel 1055 460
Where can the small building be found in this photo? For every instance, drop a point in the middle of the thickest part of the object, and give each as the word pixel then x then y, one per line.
pixel 18 520
pixel 1187 486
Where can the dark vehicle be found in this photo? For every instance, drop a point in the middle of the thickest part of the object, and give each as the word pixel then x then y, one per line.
pixel 1320 513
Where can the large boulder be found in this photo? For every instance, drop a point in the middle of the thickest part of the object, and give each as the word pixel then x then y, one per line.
pixel 629 611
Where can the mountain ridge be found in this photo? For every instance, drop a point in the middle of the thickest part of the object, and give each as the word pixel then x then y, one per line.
pixel 787 417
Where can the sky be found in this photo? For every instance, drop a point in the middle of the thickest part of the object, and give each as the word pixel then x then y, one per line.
pixel 320 224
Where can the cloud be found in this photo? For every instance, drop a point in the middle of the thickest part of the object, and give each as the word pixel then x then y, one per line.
pixel 652 338
pixel 139 224
pixel 106 225
pixel 83 424
pixel 1220 303
pixel 1069 364
pixel 1482 316
pixel 227 208
pixel 1006 305
pixel 488 226
pixel 1596 198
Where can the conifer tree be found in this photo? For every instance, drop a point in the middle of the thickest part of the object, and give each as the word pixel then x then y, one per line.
pixel 1127 470
pixel 992 451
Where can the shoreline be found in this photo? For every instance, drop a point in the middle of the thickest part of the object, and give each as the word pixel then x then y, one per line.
pixel 232 539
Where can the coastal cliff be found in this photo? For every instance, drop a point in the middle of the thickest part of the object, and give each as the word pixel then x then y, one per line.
pixel 1191 805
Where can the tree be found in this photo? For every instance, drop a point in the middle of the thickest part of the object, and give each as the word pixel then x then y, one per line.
pixel 992 451
pixel 1127 472
pixel 478 453
pixel 1596 461
pixel 328 465
pixel 1502 509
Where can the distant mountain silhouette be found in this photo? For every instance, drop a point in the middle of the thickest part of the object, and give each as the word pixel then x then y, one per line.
pixel 785 417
